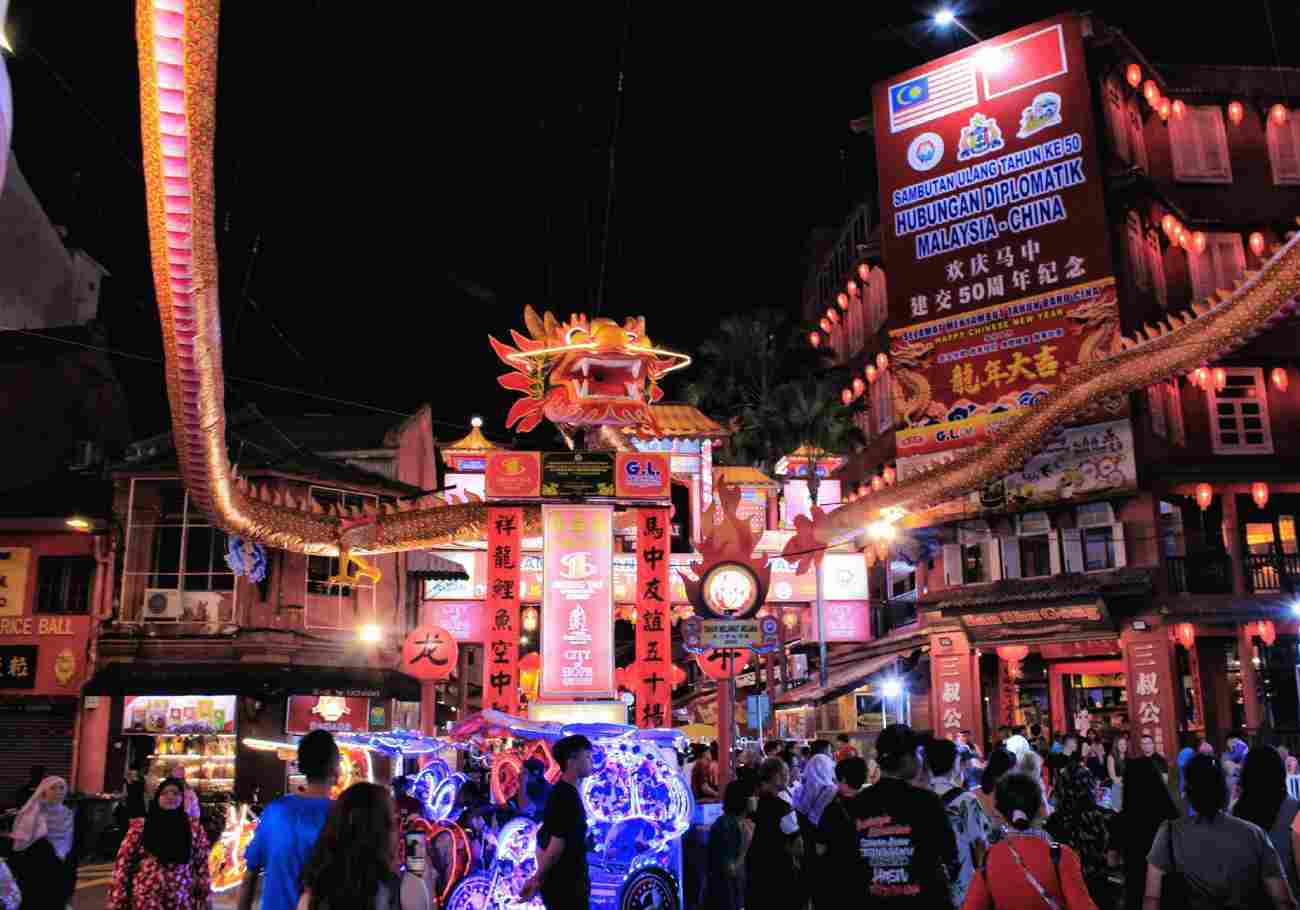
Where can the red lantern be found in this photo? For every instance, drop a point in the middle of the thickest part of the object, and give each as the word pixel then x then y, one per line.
pixel 843 300
pixel 1013 653
pixel 862 489
pixel 826 325
pixel 1204 495
pixel 871 373
pixel 1201 376
pixel 429 652
pixel 1257 243
pixel 864 271
pixel 1277 113
pixel 1163 108
pixel 1279 379
pixel 853 497
pixel 1179 109
pixel 1133 73
pixel 833 315
pixel 882 361
pixel 1220 379
pixel 815 339
pixel 1185 634
pixel 877 483
pixel 679 674
pixel 723 663
pixel 1235 111
pixel 1168 223
pixel 1264 630
pixel 852 287
pixel 846 396
pixel 1198 241
pixel 1151 92
pixel 1259 493
pixel 890 475
pixel 858 386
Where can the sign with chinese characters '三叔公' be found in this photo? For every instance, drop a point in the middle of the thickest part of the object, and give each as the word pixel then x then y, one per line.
pixel 994 233
pixel 578 602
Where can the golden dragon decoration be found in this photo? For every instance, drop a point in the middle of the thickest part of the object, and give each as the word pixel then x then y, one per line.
pixel 177 58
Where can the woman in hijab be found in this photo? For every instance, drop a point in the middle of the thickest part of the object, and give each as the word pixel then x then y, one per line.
pixel 818 788
pixel 1077 821
pixel 163 861
pixel 1147 805
pixel 42 860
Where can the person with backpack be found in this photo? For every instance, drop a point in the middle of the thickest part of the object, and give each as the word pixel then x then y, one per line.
pixel 970 826
pixel 1027 868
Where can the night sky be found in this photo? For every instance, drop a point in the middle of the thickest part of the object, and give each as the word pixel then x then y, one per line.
pixel 393 185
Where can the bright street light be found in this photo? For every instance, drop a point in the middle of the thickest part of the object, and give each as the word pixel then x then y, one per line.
pixel 371 634
pixel 892 688
pixel 881 530
pixel 943 17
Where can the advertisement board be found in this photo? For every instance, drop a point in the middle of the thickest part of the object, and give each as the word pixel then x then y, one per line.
pixel 474 562
pixel 578 604
pixel 846 621
pixel 463 619
pixel 14 562
pixel 511 474
pixel 994 233
pixel 337 714
pixel 577 473
pixel 642 475
pixel 170 714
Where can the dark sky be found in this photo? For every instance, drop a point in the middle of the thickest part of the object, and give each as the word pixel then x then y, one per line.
pixel 410 179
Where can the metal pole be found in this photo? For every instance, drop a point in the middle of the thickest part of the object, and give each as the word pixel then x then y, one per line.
pixel 822 671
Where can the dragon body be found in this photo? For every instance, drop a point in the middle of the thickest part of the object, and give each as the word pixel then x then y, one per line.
pixel 177 45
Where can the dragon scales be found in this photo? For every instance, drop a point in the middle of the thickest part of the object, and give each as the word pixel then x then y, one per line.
pixel 177 59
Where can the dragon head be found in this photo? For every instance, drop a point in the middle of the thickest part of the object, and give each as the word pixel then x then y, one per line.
pixel 583 372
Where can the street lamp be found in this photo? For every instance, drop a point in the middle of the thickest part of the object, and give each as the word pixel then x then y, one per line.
pixel 946 17
pixel 370 634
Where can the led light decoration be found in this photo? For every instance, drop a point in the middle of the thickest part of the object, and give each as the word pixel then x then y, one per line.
pixel 1133 73
pixel 1279 379
pixel 1204 495
pixel 1256 241
pixel 459 855
pixel 636 788
pixel 1235 112
pixel 226 865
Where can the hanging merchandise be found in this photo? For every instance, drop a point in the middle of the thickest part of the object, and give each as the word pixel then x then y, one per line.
pixel 246 559
pixel 501 668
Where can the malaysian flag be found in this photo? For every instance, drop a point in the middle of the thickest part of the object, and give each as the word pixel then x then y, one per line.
pixel 938 93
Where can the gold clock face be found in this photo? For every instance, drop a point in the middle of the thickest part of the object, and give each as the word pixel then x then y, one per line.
pixel 731 591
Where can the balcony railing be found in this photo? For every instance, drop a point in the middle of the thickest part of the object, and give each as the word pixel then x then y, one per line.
pixel 1211 573
pixel 1272 572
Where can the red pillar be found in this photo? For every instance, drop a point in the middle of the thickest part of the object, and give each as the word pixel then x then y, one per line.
pixel 92 747
pixel 428 706
pixel 726 723
pixel 1236 559
pixel 1249 678
pixel 955 686
pixel 1149 677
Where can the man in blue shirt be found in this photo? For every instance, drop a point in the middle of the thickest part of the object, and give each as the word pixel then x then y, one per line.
pixel 288 828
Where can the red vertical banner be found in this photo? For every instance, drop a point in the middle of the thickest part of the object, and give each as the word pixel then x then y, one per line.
pixel 1149 676
pixel 654 638
pixel 955 687
pixel 501 664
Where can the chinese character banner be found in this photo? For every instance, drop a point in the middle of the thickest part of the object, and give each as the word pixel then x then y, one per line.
pixel 654 641
pixel 501 660
pixel 994 232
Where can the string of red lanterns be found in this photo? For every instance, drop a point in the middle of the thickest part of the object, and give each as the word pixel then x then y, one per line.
pixel 1204 495
pixel 1185 634
pixel 1264 630
pixel 1259 493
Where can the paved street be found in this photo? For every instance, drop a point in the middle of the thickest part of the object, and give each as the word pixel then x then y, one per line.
pixel 92 889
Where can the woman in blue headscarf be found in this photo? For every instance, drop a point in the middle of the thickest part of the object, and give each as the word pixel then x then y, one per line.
pixel 1186 755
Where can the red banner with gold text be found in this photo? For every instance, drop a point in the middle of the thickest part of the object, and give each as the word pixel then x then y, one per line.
pixel 501 663
pixel 654 639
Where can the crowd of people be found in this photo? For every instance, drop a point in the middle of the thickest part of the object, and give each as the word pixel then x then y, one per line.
pixel 1065 822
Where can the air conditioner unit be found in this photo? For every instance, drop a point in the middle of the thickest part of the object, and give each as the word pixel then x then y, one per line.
pixel 162 603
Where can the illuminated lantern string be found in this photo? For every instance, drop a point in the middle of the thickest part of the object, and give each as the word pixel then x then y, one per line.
pixel 1220 379
pixel 864 271
pixel 846 396
pixel 852 287
pixel 1264 630
pixel 1133 73
pixel 1163 108
pixel 1185 633
pixel 1235 112
pixel 877 483
pixel 815 339
pixel 1259 493
pixel 843 300
pixel 871 373
pixel 882 361
pixel 1201 376
pixel 890 475
pixel 858 386
pixel 826 325
pixel 862 489
pixel 1167 224
pixel 1151 92
pixel 1257 243
pixel 833 315
pixel 1198 241
pixel 1180 109
pixel 1204 495
pixel 1277 113
pixel 1279 379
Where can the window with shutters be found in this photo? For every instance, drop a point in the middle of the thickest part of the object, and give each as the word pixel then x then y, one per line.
pixel 1035 556
pixel 1156 268
pixel 1136 247
pixel 1198 143
pixel 1098 549
pixel 1284 150
pixel 63 584
pixel 874 295
pixel 1136 140
pixel 1174 412
pixel 1239 414
pixel 1222 263
pixel 974 565
pixel 883 402
pixel 1156 403
pixel 1116 118
pixel 337 606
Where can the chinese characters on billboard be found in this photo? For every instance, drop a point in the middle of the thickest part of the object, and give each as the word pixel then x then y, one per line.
pixel 578 609
pixel 501 673
pixel 994 234
pixel 654 639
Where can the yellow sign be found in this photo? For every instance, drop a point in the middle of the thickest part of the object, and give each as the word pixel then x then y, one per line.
pixel 13 580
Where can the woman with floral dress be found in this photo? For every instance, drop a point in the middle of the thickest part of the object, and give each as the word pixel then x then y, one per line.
pixel 163 862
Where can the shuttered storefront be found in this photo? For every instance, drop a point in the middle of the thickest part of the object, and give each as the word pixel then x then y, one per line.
pixel 35 737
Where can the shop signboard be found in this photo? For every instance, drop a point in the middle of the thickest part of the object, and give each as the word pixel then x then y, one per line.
pixel 463 619
pixel 18 666
pixel 14 562
pixel 501 672
pixel 846 621
pixel 995 235
pixel 759 635
pixel 578 603
pixel 43 655
pixel 178 714
pixel 474 562
pixel 578 474
pixel 514 474
pixel 337 714
pixel 642 475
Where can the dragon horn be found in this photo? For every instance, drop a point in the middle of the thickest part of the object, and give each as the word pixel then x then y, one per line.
pixel 536 328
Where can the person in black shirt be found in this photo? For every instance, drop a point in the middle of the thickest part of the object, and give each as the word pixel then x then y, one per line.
pixel 906 849
pixel 836 860
pixel 561 875
pixel 772 882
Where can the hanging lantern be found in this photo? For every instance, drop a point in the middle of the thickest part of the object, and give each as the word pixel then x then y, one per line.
pixel 882 550
pixel 1151 92
pixel 530 619
pixel 833 315
pixel 1277 113
pixel 877 483
pixel 852 287
pixel 1264 630
pixel 1167 224
pixel 842 299
pixel 853 497
pixel 862 489
pixel 846 396
pixel 1204 495
pixel 1163 109
pixel 882 361
pixel 1279 379
pixel 1235 112
pixel 1198 241
pixel 1179 233
pixel 1185 634
pixel 1220 379
pixel 1179 108
pixel 1259 493
pixel 826 325
pixel 1256 241
pixel 1012 655
pixel 1133 73
pixel 1201 376
pixel 890 475
pixel 815 339
pixel 864 271
pixel 790 618
pixel 871 373
pixel 858 386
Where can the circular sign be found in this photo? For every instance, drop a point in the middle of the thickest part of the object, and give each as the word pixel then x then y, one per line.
pixel 723 663
pixel 925 151
pixel 731 590
pixel 429 652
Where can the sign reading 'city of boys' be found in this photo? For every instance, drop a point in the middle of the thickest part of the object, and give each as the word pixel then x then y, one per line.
pixel 995 239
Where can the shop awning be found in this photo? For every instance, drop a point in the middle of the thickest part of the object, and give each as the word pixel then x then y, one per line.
pixel 841 679
pixel 428 564
pixel 257 680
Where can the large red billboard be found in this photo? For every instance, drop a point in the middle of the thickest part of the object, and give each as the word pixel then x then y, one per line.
pixel 993 231
pixel 578 602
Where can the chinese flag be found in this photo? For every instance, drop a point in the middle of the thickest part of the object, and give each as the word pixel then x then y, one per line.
pixel 501 660
pixel 1027 62
pixel 654 636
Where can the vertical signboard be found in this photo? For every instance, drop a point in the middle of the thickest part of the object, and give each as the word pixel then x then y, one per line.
pixel 1149 675
pixel 501 660
pixel 654 639
pixel 954 687
pixel 578 602
pixel 994 233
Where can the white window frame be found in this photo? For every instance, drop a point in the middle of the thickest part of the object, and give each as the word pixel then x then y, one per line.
pixel 1219 267
pixel 132 576
pixel 1156 268
pixel 1194 139
pixel 1260 396
pixel 361 598
pixel 954 564
pixel 1288 134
